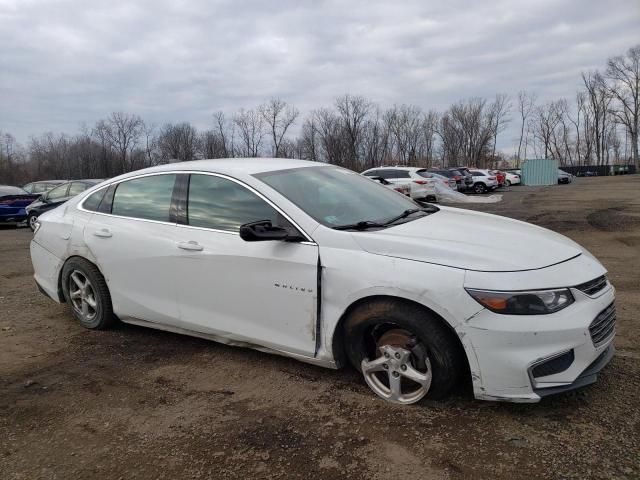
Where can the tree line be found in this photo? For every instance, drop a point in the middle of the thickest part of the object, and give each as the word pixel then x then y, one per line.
pixel 597 127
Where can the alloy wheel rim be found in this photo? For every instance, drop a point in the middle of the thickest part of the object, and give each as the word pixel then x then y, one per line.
pixel 395 375
pixel 82 295
pixel 32 221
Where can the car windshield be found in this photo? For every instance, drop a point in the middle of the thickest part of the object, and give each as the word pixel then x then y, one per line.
pixel 337 197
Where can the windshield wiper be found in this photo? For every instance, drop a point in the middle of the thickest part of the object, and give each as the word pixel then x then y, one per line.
pixel 411 211
pixel 365 224
pixel 359 225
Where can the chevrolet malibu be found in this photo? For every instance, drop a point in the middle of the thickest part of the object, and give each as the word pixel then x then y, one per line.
pixel 323 265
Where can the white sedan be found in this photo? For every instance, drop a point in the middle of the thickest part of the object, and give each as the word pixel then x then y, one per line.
pixel 323 265
pixel 511 179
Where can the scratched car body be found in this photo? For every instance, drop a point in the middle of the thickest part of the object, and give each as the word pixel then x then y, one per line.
pixel 321 264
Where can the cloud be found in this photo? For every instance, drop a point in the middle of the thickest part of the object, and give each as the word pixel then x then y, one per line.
pixel 70 61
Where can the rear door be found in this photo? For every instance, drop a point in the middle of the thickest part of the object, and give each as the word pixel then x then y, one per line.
pixel 132 235
pixel 257 292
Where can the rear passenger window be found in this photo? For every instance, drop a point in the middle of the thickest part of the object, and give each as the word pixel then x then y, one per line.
pixel 372 173
pixel 221 204
pixel 93 201
pixel 148 198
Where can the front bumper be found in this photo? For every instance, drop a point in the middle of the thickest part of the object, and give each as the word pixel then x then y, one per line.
pixel 508 347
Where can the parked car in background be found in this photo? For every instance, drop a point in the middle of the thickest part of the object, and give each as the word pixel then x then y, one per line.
pixel 442 180
pixel 43 186
pixel 467 177
pixel 564 177
pixel 512 179
pixel 315 262
pixel 422 186
pixel 56 197
pixel 500 176
pixel 13 201
pixel 483 181
pixel 454 175
pixel 403 188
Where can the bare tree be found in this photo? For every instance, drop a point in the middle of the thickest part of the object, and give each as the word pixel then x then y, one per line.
pixel 225 133
pixel 178 142
pixel 428 127
pixel 250 125
pixel 526 104
pixel 501 108
pixel 353 111
pixel 624 75
pixel 150 139
pixel 123 132
pixel 279 117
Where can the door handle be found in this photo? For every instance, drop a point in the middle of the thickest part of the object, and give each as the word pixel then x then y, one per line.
pixel 103 233
pixel 191 246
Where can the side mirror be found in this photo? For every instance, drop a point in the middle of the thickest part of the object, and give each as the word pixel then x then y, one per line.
pixel 43 198
pixel 262 230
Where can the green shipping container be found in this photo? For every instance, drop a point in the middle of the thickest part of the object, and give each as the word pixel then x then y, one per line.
pixel 540 171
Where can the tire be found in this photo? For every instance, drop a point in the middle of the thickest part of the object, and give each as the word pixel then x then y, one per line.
pixel 98 314
pixel 507 183
pixel 479 187
pixel 31 219
pixel 445 354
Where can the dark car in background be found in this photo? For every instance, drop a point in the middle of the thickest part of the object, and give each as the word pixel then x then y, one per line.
pixel 42 186
pixel 13 202
pixel 467 176
pixel 56 197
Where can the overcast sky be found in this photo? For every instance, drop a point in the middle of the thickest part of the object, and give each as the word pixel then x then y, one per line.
pixel 67 62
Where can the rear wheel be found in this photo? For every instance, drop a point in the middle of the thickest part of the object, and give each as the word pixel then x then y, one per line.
pixel 403 351
pixel 479 188
pixel 86 291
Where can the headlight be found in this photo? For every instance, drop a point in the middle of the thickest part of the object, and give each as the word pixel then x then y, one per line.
pixel 535 302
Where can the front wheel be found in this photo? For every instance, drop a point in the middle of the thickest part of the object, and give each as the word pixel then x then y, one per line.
pixel 32 219
pixel 507 183
pixel 403 351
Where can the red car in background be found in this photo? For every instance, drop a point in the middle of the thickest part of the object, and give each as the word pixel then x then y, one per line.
pixel 500 176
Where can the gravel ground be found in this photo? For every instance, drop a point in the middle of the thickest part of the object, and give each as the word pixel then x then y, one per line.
pixel 137 403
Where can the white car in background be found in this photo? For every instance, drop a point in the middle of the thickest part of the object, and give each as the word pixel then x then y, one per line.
pixel 483 181
pixel 402 188
pixel 511 179
pixel 317 263
pixel 419 180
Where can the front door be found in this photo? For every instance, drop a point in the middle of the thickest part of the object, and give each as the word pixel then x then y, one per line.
pixel 262 292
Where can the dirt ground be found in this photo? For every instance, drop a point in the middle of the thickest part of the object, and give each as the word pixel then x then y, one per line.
pixel 134 403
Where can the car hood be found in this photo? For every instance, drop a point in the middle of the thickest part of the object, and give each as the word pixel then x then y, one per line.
pixel 472 241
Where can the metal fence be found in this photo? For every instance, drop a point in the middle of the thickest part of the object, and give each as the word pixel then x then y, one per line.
pixel 599 170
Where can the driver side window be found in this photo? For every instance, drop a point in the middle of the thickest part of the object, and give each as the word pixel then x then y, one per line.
pixel 222 204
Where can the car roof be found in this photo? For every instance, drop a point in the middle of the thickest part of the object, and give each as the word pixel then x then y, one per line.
pixel 399 167
pixel 232 166
pixel 49 181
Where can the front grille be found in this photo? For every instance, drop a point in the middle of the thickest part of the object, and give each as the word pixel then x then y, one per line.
pixel 593 286
pixel 603 326
pixel 555 365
